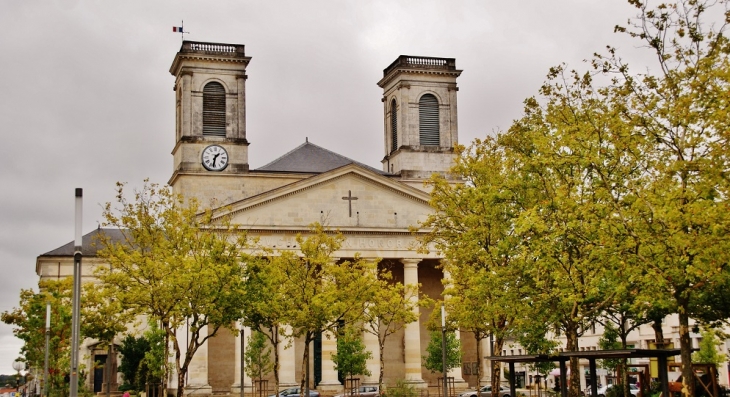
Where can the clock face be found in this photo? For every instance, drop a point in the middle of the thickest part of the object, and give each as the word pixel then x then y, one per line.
pixel 215 158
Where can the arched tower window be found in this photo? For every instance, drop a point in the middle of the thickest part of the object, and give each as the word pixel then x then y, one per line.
pixel 393 126
pixel 214 109
pixel 428 120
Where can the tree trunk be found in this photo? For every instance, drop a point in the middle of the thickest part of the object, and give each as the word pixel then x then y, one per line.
pixel 496 366
pixel 381 347
pixel 275 338
pixel 571 335
pixel 658 333
pixel 479 362
pixel 624 367
pixel 685 345
pixel 180 383
pixel 304 383
pixel 166 369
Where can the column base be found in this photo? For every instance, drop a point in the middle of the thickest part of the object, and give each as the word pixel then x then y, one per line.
pixel 460 385
pixel 330 382
pixel 330 388
pixel 236 388
pixel 418 383
pixel 198 390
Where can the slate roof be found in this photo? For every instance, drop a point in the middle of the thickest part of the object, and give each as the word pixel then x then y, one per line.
pixel 89 243
pixel 310 158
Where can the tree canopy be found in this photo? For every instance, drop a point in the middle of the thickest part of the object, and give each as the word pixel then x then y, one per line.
pixel 613 184
pixel 174 265
pixel 320 291
pixel 29 322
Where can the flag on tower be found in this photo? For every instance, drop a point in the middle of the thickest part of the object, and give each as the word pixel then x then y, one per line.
pixel 177 29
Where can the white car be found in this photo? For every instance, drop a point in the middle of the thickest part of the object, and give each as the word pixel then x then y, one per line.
pixel 362 391
pixel 602 390
pixel 486 391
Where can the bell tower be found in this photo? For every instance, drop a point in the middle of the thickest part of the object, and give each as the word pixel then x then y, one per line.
pixel 210 121
pixel 419 98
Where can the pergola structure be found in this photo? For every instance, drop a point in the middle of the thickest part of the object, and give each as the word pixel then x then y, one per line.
pixel 561 358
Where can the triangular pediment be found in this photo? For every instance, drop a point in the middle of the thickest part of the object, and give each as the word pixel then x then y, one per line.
pixel 347 198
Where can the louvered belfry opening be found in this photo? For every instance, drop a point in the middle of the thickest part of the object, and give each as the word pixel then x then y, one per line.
pixel 428 120
pixel 393 126
pixel 214 109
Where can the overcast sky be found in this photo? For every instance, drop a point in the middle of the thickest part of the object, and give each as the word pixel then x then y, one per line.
pixel 86 97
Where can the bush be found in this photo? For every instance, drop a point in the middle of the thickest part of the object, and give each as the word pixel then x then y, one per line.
pixel 126 387
pixel 401 389
pixel 616 391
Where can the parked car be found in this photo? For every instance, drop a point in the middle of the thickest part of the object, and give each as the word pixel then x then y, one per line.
pixel 486 391
pixel 602 390
pixel 295 392
pixel 362 391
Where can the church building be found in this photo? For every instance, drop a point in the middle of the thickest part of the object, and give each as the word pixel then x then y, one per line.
pixel 373 208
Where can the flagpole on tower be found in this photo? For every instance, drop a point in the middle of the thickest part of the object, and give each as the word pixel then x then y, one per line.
pixel 180 29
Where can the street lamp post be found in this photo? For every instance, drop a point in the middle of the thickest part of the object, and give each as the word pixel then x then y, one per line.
pixel 76 300
pixel 18 366
pixel 45 360
pixel 443 349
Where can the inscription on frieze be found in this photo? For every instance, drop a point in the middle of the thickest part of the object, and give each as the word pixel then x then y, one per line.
pixel 350 243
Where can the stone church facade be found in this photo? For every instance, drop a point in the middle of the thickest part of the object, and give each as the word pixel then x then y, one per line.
pixel 373 208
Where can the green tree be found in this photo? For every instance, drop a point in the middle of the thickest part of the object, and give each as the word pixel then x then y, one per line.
pixel 29 325
pixel 132 350
pixel 175 265
pixel 433 360
pixel 708 352
pixel 103 319
pixel 257 357
pixel 566 160
pixel 534 337
pixel 262 304
pixel 609 340
pixel 351 357
pixel 392 306
pixel 473 226
pixel 155 363
pixel 319 291
pixel 676 213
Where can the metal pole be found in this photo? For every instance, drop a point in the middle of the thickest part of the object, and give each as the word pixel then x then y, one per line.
pixel 443 349
pixel 75 323
pixel 243 360
pixel 108 369
pixel 48 339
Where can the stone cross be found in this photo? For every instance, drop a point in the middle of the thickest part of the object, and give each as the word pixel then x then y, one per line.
pixel 349 199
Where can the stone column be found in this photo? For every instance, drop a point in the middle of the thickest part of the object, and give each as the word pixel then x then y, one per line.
pixel 329 375
pixel 486 365
pixel 329 347
pixel 455 372
pixel 372 345
pixel 287 361
pixel 412 330
pixel 198 370
pixel 373 364
pixel 236 387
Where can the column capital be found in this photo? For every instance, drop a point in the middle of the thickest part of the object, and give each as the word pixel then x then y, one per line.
pixel 410 262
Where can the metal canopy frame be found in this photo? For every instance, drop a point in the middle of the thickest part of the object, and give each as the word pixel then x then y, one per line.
pixel 561 358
